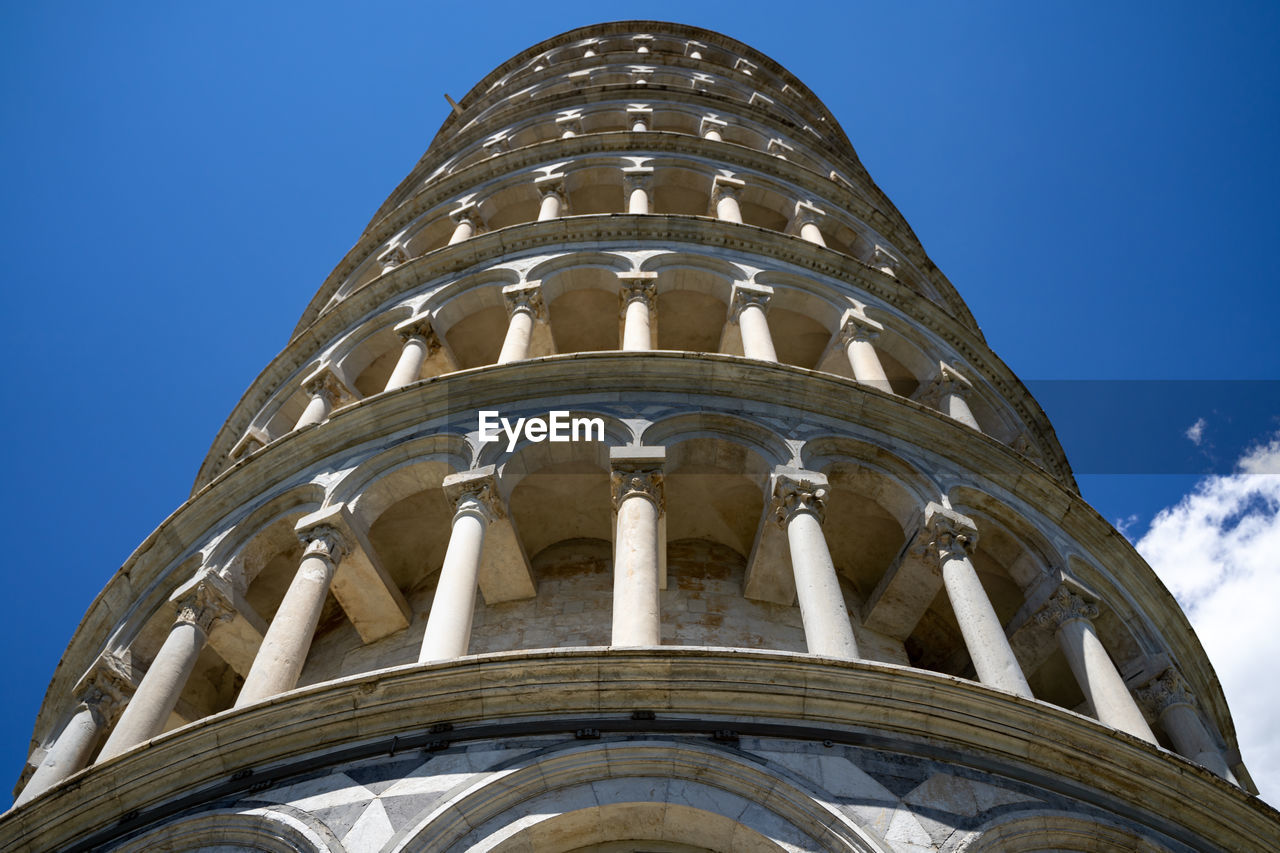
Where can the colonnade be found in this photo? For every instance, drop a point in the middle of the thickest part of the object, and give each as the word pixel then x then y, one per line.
pixel 797 505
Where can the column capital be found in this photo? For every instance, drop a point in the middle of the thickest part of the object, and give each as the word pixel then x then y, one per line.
pixel 643 43
pixel 638 287
pixel 498 143
pixel 550 185
pixel 474 492
pixel 711 122
pixel 794 491
pixel 324 383
pixel 722 186
pixel 1065 606
pixel 393 256
pixel 806 213
pixel 204 600
pixel 1164 691
pixel 419 327
pixel 946 381
pixel 105 689
pixel 885 261
pixel 779 149
pixel 636 177
pixel 744 294
pixel 469 213
pixel 525 297
pixel 855 325
pixel 570 121
pixel 324 541
pixel 950 534
pixel 637 471
pixel 639 110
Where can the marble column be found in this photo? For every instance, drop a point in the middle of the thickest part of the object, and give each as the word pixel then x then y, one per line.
pixel 393 257
pixel 639 117
pixel 524 309
pixel 636 182
pixel 420 343
pixel 948 393
pixel 952 537
pixel 724 198
pixel 552 190
pixel 102 695
pixel 637 483
pixel 713 128
pixel 806 223
pixel 1170 699
pixel 288 640
pixel 158 693
pixel 1071 618
pixel 747 307
pixel 473 495
pixel 857 331
pixel 799 506
pixel 322 388
pixel 638 294
pixel 466 221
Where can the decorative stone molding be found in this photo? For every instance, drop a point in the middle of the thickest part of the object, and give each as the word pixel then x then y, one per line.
pixel 419 327
pixel 324 384
pixel 1165 691
pixel 637 471
pixel 638 287
pixel 857 326
pixel 795 491
pixel 106 689
pixel 525 297
pixel 745 294
pixel 947 381
pixel 475 492
pixel 723 186
pixel 1064 606
pixel 204 603
pixel 950 534
pixel 637 177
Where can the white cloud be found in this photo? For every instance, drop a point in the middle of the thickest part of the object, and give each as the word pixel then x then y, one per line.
pixel 1218 551
pixel 1195 432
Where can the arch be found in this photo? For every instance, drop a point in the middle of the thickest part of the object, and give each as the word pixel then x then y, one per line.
pixel 742 805
pixel 1042 830
pixel 239 553
pixel 382 480
pixel 762 441
pixel 268 829
pixel 367 354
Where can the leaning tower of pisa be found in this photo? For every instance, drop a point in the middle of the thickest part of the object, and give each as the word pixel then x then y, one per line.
pixel 636 483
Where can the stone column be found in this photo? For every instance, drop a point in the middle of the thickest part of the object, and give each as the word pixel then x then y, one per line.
pixel 857 331
pixel 636 181
pixel 392 258
pixel 158 693
pixel 284 648
pixel 465 221
pixel 948 393
pixel 712 128
pixel 638 501
pixel 952 537
pixel 806 223
pixel 639 117
pixel 1071 618
pixel 724 198
pixel 1170 699
pixel 101 698
pixel 747 308
pixel 638 293
pixel 473 495
pixel 799 499
pixel 524 308
pixel 570 124
pixel 419 343
pixel 552 190
pixel 322 387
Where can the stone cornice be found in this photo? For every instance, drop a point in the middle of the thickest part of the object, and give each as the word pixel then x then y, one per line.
pixel 913 712
pixel 885 219
pixel 142 585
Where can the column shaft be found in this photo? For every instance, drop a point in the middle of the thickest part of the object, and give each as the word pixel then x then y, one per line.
pixel 957 407
pixel 727 208
pixel 317 410
pixel 811 232
pixel 635 329
pixel 635 573
pixel 827 630
pixel 148 711
pixel 412 356
pixel 68 754
pixel 757 342
pixel 866 364
pixel 1182 724
pixel 638 200
pixel 550 208
pixel 464 230
pixel 1102 685
pixel 515 347
pixel 448 633
pixel 288 640
pixel 984 637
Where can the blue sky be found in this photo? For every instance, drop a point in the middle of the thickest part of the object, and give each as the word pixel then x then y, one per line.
pixel 1099 181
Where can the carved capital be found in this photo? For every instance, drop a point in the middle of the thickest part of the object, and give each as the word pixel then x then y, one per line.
pixel 636 177
pixel 807 214
pixel 857 326
pixel 1064 606
pixel 393 257
pixel 203 603
pixel 474 492
pixel 745 294
pixel 551 185
pixel 797 491
pixel 419 327
pixel 947 381
pixel 105 690
pixel 883 260
pixel 469 214
pixel 638 287
pixel 711 123
pixel 950 534
pixel 324 384
pixel 1166 690
pixel 645 482
pixel 723 187
pixel 324 541
pixel 524 297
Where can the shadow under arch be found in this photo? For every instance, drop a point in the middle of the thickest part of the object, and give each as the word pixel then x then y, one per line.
pixel 382 480
pixel 268 829
pixel 469 316
pixel 567 798
pixel 242 554
pixel 1044 829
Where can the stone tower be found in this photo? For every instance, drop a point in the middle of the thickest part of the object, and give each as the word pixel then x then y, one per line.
pixel 636 483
